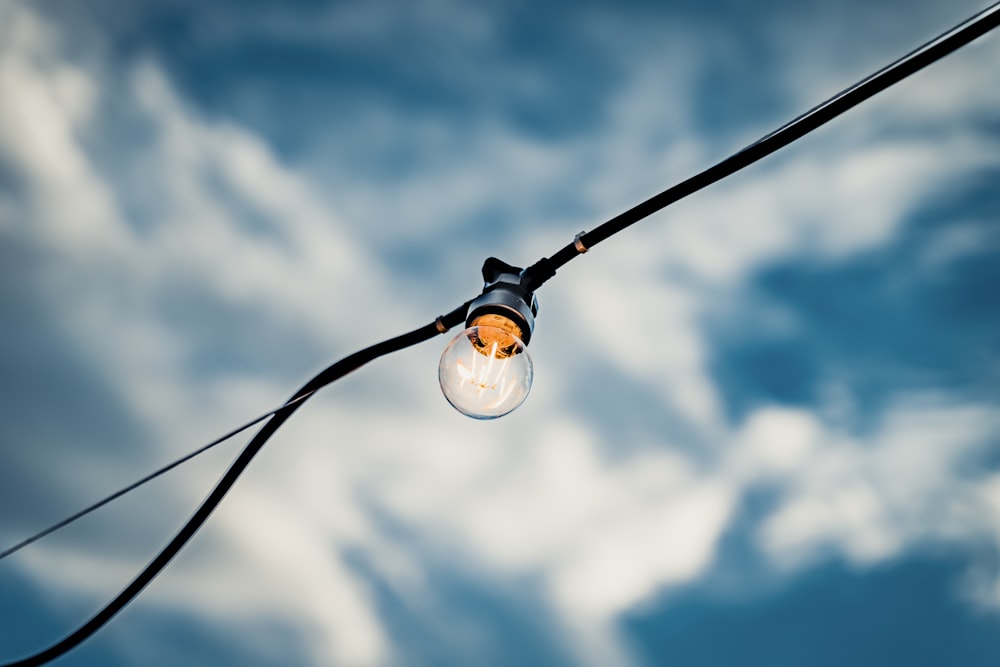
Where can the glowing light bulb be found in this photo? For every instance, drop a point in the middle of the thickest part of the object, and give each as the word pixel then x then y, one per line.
pixel 485 372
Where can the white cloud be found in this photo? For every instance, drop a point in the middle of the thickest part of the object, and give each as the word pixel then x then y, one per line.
pixel 603 528
pixel 47 103
pixel 872 498
pixel 774 442
pixel 104 279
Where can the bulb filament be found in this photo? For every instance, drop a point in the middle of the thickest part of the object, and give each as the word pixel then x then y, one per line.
pixel 489 374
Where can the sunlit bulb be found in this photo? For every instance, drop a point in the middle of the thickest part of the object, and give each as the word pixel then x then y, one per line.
pixel 485 372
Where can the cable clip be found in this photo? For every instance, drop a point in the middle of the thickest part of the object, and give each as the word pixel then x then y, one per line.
pixel 440 325
pixel 578 243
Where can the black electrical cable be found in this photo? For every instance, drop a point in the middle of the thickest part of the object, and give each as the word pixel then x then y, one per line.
pixel 330 374
pixel 148 478
pixel 916 60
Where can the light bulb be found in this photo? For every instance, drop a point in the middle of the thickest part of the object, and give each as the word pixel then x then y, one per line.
pixel 485 372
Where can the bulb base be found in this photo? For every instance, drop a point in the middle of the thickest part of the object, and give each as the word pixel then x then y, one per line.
pixel 504 303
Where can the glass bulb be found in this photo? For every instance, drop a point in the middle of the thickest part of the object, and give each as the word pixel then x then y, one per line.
pixel 485 372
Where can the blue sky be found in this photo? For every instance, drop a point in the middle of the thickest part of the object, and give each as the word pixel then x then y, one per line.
pixel 763 423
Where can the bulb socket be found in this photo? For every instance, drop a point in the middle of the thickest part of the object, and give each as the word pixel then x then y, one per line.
pixel 503 298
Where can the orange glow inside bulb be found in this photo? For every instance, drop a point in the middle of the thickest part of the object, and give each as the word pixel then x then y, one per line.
pixel 495 336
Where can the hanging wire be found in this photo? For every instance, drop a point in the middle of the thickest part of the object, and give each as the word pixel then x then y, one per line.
pixel 328 375
pixel 913 62
pixel 148 478
pixel 534 276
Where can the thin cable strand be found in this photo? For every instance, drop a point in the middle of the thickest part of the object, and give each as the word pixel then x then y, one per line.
pixel 913 62
pixel 148 478
pixel 327 376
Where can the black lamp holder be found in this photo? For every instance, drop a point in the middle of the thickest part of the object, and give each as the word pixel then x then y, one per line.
pixel 505 294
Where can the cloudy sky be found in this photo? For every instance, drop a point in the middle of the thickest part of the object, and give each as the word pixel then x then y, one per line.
pixel 764 422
